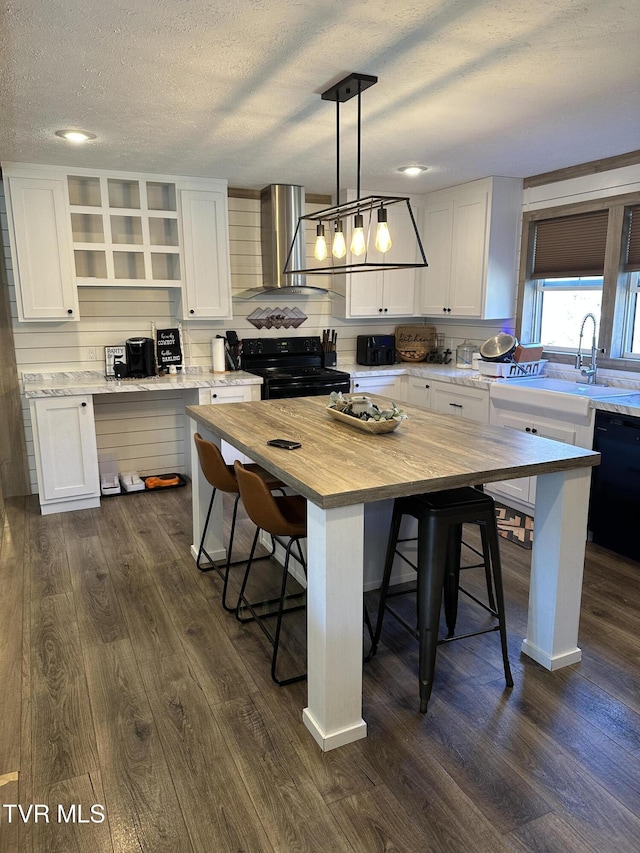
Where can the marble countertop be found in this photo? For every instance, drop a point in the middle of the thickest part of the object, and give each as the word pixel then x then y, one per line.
pixel 66 384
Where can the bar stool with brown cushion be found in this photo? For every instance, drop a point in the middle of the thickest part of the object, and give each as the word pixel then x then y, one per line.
pixel 222 478
pixel 285 519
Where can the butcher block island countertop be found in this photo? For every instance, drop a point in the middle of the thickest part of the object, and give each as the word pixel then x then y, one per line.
pixel 348 477
pixel 339 465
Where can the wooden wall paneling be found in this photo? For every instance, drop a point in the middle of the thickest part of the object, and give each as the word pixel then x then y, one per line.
pixel 593 167
pixel 13 454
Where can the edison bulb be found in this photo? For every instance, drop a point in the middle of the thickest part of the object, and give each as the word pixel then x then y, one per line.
pixel 320 251
pixel 358 244
pixel 339 248
pixel 383 238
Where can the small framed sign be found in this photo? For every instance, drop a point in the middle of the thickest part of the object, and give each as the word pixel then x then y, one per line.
pixel 111 355
pixel 168 348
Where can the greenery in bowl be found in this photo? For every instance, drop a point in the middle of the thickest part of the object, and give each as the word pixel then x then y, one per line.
pixel 363 408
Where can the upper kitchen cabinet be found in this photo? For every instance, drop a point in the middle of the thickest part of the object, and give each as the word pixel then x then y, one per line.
pixel 206 293
pixel 40 242
pixel 470 235
pixel 90 228
pixel 380 293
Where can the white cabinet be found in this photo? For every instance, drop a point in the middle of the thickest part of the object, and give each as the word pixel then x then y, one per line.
pixel 386 386
pixel 75 227
pixel 66 454
pixel 206 293
pixel 229 394
pixel 460 400
pixel 419 391
pixel 523 490
pixel 380 293
pixel 40 242
pixel 470 237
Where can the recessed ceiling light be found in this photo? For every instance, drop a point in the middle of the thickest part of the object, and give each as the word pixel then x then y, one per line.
pixel 413 170
pixel 75 135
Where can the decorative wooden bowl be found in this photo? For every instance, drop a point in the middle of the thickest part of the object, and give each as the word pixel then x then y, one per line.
pixel 374 427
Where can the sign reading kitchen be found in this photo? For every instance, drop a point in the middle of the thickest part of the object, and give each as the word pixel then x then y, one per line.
pixel 168 348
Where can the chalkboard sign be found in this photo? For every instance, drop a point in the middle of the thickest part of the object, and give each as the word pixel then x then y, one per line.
pixel 168 348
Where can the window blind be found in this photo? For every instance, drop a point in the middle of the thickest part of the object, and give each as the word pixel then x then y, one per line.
pixel 632 261
pixel 571 245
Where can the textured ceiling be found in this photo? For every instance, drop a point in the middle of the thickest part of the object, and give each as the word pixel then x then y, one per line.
pixel 229 88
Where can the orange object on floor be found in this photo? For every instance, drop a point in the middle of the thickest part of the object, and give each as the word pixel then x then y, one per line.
pixel 161 482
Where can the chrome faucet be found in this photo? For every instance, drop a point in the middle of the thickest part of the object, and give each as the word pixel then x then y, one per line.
pixel 588 372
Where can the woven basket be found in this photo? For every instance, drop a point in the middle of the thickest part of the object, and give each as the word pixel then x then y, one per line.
pixel 414 343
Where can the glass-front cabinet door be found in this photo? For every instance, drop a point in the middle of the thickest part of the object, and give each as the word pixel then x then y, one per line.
pixel 124 231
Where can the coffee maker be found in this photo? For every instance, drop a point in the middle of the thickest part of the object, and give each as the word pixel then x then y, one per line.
pixel 140 357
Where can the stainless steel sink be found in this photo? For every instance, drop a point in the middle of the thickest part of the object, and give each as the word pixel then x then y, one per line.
pixel 551 397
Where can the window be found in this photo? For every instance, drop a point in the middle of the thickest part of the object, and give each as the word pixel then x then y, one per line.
pixel 561 305
pixel 583 258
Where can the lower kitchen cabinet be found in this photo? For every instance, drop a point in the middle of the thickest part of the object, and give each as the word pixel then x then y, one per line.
pixel 387 386
pixel 460 400
pixel 66 454
pixel 419 391
pixel 522 492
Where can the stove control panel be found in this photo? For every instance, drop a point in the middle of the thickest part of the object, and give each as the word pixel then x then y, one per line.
pixel 281 346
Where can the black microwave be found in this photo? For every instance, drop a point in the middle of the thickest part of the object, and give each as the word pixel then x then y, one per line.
pixel 376 349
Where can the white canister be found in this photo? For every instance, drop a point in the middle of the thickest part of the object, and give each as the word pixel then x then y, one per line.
pixel 217 355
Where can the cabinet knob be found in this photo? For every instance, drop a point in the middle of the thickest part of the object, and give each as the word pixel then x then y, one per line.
pixel 69 310
pixel 385 310
pixel 527 429
pixel 379 310
pixel 191 311
pixel 214 396
pixel 83 404
pixel 449 310
pixel 427 386
pixel 534 430
pixel 356 384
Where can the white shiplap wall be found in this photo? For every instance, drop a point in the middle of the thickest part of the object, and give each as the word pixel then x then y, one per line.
pixel 146 430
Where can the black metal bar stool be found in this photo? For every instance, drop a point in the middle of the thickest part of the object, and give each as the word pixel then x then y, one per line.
pixel 221 477
pixel 440 518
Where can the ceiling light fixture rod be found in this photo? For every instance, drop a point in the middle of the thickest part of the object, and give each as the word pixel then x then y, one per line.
pixel 337 151
pixel 359 135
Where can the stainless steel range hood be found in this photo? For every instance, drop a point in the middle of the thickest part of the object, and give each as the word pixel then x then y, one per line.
pixel 281 206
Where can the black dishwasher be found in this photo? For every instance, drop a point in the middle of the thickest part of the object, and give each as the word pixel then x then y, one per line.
pixel 614 512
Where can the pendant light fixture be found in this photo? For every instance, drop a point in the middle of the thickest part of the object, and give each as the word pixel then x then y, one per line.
pixel 358 213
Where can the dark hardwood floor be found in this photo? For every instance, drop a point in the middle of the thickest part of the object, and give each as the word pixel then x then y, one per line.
pixel 125 685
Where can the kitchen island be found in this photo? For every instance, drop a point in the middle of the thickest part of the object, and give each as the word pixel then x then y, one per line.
pixel 340 469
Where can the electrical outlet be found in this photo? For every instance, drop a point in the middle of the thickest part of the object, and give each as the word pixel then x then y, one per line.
pixel 91 353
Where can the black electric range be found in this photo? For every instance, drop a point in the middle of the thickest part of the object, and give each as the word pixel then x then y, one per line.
pixel 291 367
